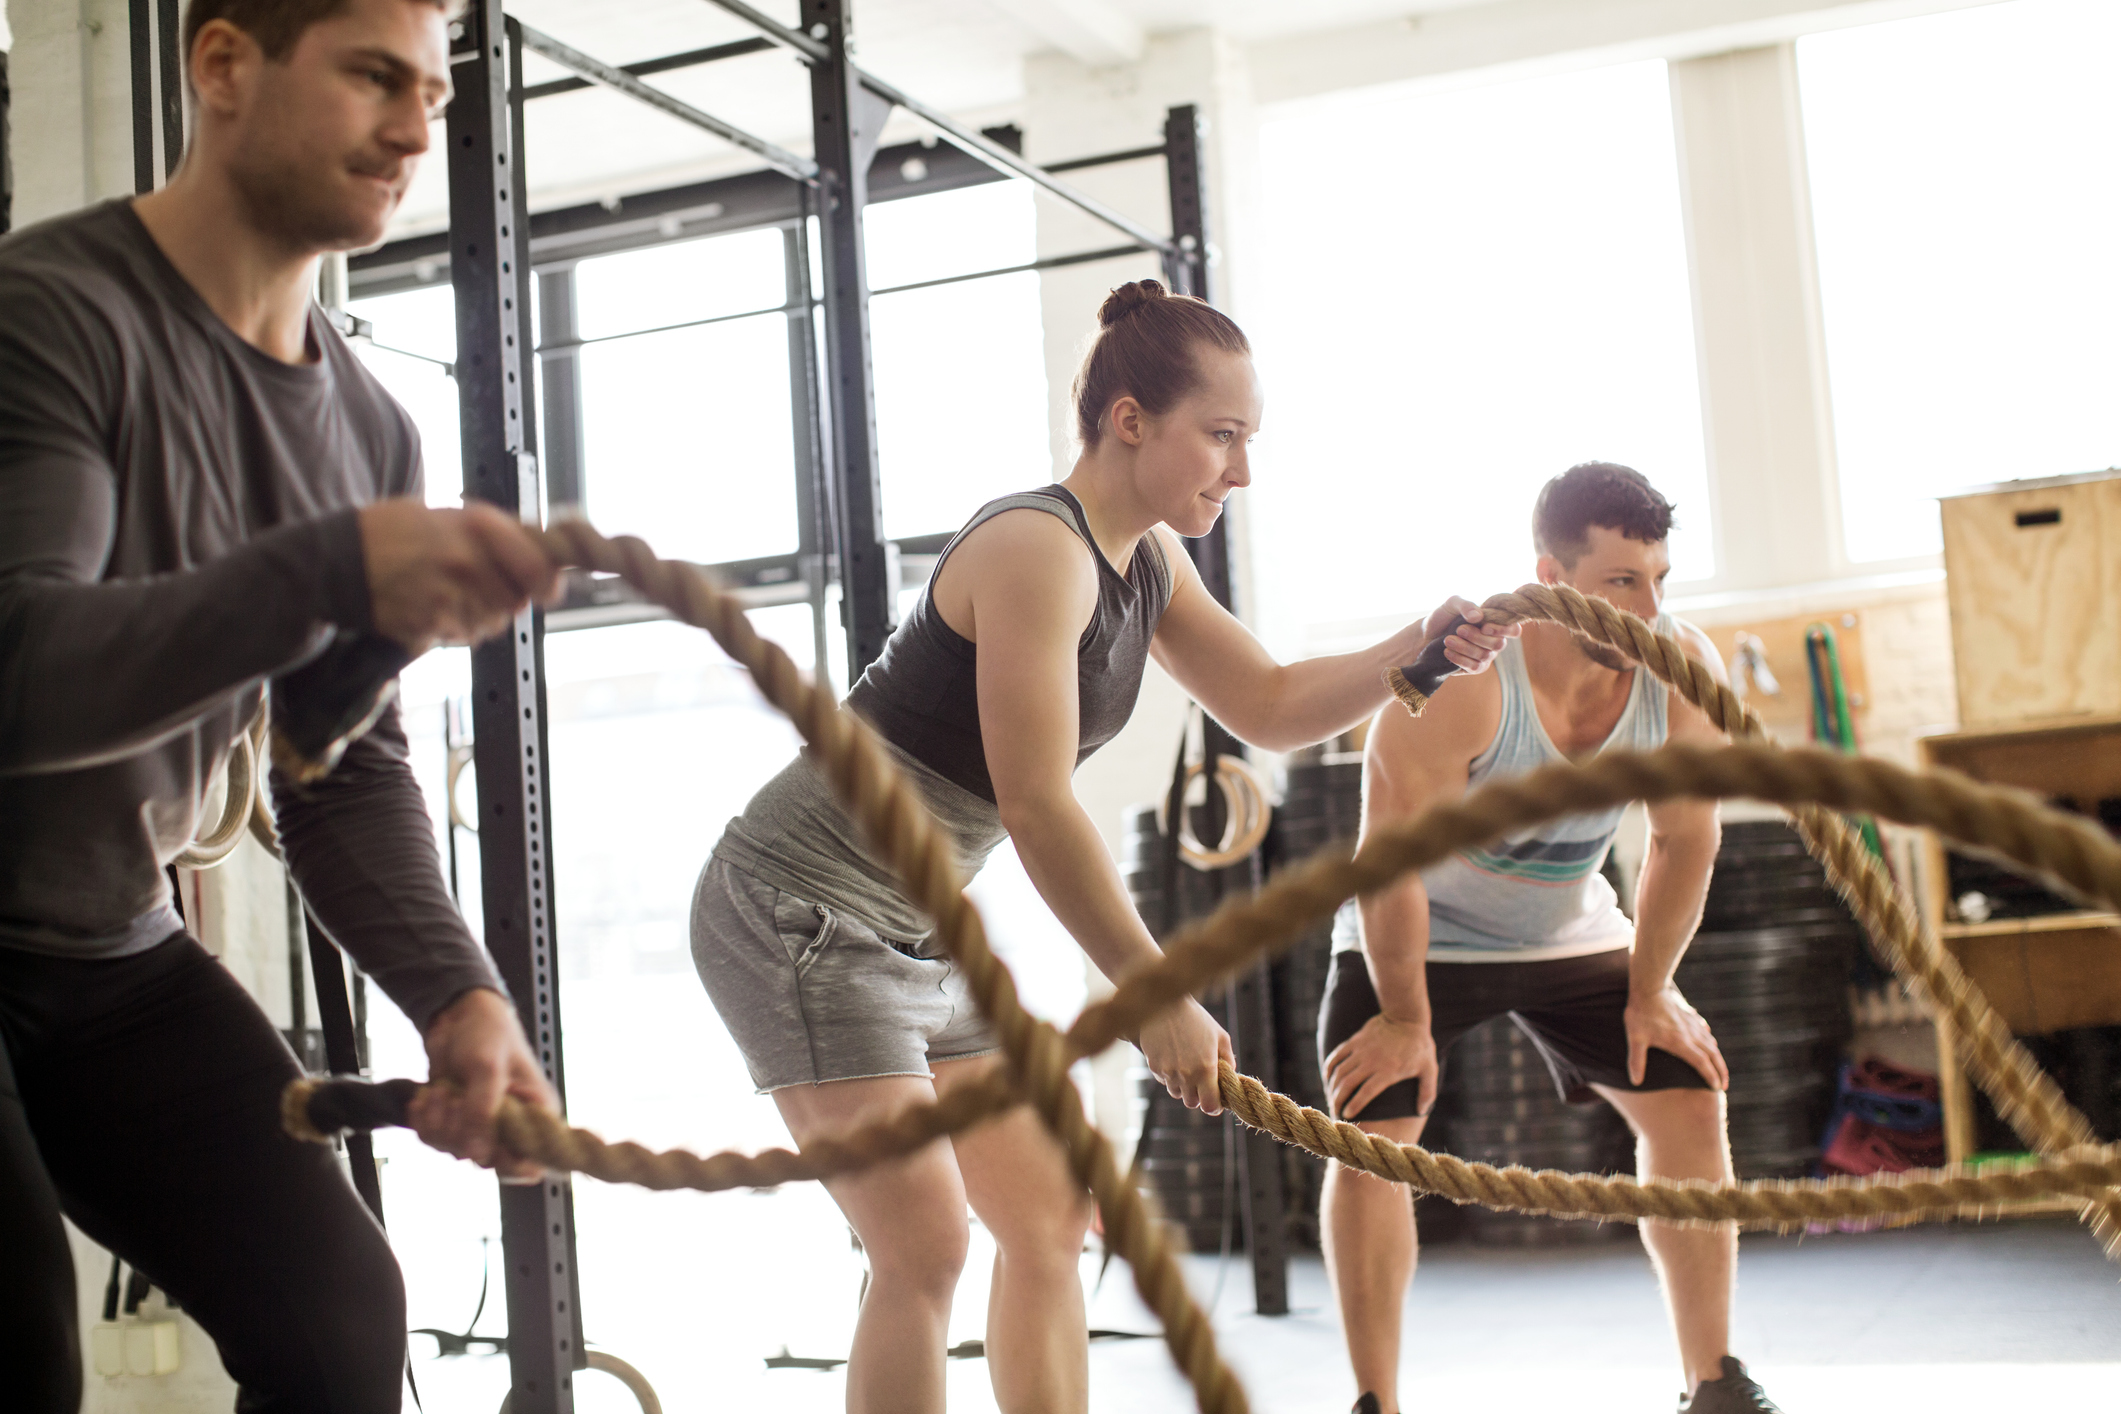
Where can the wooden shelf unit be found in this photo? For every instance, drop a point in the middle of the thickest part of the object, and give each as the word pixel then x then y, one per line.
pixel 2049 973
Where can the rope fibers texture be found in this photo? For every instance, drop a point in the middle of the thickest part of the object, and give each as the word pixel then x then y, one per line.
pixel 1813 784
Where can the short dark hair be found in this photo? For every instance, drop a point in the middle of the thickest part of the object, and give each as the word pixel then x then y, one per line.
pixel 1146 347
pixel 1597 493
pixel 276 24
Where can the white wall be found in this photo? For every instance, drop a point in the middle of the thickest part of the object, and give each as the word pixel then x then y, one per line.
pixel 71 71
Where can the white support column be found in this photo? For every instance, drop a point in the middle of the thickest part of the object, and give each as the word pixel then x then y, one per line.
pixel 1073 109
pixel 1765 405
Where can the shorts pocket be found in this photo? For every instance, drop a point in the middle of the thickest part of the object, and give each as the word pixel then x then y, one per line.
pixel 805 929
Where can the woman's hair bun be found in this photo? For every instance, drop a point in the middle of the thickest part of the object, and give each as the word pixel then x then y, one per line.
pixel 1128 298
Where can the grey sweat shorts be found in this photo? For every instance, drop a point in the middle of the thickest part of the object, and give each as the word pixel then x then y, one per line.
pixel 812 995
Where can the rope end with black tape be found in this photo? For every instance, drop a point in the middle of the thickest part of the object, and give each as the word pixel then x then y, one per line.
pixel 1419 680
pixel 1410 697
pixel 318 1109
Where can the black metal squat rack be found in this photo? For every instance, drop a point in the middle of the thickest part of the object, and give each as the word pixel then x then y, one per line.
pixel 488 249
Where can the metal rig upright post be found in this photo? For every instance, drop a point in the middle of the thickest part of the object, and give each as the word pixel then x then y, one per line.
pixel 847 121
pixel 1252 1012
pixel 489 268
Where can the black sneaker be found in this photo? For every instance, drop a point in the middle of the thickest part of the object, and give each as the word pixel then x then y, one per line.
pixel 1735 1393
pixel 1367 1404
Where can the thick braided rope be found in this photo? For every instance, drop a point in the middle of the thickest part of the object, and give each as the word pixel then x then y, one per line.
pixel 1037 1055
pixel 537 1134
pixel 1778 1204
pixel 2079 856
pixel 2009 823
pixel 2025 1096
pixel 895 821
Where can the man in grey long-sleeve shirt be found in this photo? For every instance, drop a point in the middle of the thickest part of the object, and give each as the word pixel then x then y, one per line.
pixel 202 492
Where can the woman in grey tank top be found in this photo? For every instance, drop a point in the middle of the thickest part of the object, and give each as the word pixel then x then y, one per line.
pixel 1024 655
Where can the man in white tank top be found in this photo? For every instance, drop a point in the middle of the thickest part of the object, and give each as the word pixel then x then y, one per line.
pixel 1528 926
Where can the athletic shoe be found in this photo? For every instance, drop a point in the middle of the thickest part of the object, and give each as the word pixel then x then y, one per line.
pixel 1735 1393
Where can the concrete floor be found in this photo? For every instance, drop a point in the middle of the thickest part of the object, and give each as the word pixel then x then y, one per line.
pixel 2020 1316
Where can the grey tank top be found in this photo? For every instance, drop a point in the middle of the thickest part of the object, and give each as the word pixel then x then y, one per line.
pixel 922 697
pixel 1535 895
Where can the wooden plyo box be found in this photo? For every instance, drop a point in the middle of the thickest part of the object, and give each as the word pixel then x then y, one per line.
pixel 2043 974
pixel 2033 571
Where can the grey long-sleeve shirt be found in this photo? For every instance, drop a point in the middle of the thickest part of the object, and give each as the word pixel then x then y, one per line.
pixel 177 529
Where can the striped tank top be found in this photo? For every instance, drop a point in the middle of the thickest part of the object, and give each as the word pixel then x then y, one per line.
pixel 1535 895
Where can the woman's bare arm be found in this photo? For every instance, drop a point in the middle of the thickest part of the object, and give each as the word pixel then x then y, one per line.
pixel 1281 706
pixel 1032 590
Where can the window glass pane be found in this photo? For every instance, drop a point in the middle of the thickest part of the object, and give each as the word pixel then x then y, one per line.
pixel 689 442
pixel 1514 300
pixel 1966 187
pixel 415 334
pixel 685 280
pixel 960 369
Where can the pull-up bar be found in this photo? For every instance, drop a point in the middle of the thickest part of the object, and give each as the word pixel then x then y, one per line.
pixel 812 49
pixel 691 58
pixel 599 72
pixel 1009 164
pixel 1000 158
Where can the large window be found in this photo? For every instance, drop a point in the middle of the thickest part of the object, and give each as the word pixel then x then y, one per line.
pixel 690 443
pixel 1458 296
pixel 1966 187
pixel 415 344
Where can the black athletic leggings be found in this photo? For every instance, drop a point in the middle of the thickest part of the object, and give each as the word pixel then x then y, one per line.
pixel 141 1097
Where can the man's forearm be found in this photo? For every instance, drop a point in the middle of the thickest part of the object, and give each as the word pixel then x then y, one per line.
pixel 1668 899
pixel 360 845
pixel 1395 942
pixel 90 672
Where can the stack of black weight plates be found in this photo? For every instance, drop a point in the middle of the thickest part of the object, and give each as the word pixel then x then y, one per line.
pixel 1184 1155
pixel 1141 864
pixel 1187 1161
pixel 1498 1106
pixel 1321 805
pixel 1770 970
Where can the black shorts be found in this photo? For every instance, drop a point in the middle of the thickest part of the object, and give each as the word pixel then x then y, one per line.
pixel 1572 1008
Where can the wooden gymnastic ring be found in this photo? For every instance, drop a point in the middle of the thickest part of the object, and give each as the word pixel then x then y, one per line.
pixel 459 758
pixel 263 827
pixel 1245 826
pixel 240 776
pixel 621 1371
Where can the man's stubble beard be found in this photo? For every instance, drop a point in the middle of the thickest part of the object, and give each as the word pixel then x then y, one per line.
pixel 289 194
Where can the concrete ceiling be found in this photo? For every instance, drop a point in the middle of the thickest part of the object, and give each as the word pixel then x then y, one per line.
pixel 964 56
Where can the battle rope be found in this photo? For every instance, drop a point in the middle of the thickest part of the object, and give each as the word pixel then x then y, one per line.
pixel 2081 857
pixel 1037 1056
pixel 2026 1097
